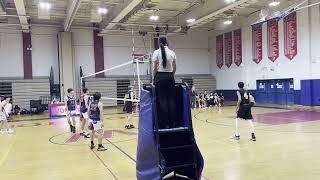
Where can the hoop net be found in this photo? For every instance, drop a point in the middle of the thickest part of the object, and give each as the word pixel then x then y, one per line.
pixel 119 79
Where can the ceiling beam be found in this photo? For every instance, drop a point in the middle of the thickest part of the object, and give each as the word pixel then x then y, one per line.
pixel 72 9
pixel 132 5
pixel 215 13
pixel 2 6
pixel 21 11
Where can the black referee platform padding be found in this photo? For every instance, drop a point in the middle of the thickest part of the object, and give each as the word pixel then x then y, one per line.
pixel 167 153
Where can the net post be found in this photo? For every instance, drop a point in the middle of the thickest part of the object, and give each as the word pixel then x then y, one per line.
pixel 139 80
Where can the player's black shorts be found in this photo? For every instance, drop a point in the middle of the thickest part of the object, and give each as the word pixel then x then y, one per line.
pixel 245 112
pixel 128 107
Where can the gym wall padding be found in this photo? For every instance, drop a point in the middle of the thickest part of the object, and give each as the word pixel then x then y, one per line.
pixel 310 92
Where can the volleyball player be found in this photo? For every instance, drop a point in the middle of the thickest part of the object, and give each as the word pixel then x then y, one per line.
pixel 164 68
pixel 245 102
pixel 211 100
pixel 96 121
pixel 128 105
pixel 216 99
pixel 193 95
pixel 4 115
pixel 70 102
pixel 84 117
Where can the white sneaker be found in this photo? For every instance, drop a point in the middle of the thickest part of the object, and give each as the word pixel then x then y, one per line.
pixel 1 132
pixel 234 137
pixel 10 131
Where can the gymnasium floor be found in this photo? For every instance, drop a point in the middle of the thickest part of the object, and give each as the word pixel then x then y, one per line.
pixel 286 148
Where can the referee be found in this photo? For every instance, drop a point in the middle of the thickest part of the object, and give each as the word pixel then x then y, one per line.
pixel 164 68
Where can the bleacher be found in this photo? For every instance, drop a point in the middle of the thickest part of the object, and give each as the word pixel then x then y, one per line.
pixel 22 91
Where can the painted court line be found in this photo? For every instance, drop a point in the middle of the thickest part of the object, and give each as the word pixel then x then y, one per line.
pixel 73 138
pixel 105 165
pixel 4 157
pixel 121 150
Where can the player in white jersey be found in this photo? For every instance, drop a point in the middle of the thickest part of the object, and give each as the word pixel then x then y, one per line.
pixel 4 115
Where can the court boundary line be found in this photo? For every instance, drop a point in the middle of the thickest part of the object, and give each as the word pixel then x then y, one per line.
pixel 104 164
pixel 121 150
pixel 3 159
pixel 62 144
pixel 48 118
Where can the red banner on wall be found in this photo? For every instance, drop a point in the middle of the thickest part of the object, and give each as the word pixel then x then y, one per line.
pixel 228 49
pixel 273 39
pixel 290 35
pixel 219 51
pixel 237 44
pixel 257 43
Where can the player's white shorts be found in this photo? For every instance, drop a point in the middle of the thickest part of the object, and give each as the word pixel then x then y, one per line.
pixel 85 115
pixel 95 125
pixel 72 113
pixel 3 116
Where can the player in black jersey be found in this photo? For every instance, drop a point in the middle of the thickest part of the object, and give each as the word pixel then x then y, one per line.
pixel 128 106
pixel 244 105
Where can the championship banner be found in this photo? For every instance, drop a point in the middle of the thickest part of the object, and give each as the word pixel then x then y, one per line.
pixel 228 49
pixel 290 35
pixel 257 43
pixel 237 43
pixel 273 39
pixel 219 51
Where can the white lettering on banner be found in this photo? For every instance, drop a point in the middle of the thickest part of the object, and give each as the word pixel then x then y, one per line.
pixel 261 86
pixel 279 86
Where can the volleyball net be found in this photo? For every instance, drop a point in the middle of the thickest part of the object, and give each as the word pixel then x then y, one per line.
pixel 114 83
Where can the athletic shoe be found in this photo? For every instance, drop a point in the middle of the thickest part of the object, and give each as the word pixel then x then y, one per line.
pixel 92 146
pixel 101 148
pixel 127 126
pixel 73 129
pixel 253 137
pixel 234 137
pixel 10 131
pixel 131 126
pixel 1 132
pixel 85 135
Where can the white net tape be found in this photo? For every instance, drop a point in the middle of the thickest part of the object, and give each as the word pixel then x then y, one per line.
pixel 118 79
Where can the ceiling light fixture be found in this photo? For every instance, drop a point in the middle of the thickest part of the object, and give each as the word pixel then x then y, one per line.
pixel 191 20
pixel 154 18
pixel 274 3
pixel 102 10
pixel 227 22
pixel 45 5
pixel 230 1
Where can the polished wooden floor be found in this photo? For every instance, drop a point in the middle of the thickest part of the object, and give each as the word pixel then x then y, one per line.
pixel 43 149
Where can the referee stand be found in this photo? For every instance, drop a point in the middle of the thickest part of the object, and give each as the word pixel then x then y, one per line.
pixel 167 153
